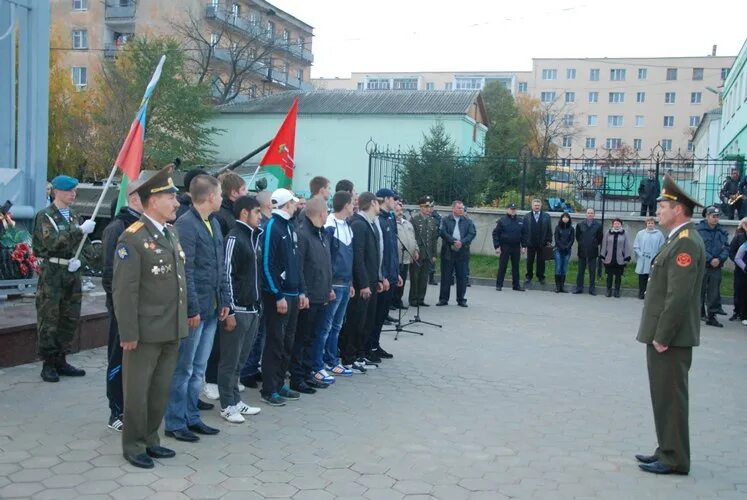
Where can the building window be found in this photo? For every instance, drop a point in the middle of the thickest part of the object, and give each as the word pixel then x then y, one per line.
pixel 591 143
pixel 80 39
pixel 523 87
pixel 697 73
pixel 637 144
pixel 80 4
pixel 270 30
pixel 594 75
pixel 286 37
pixel 570 97
pixel 405 84
pixel 694 121
pixel 617 97
pixel 666 144
pixel 568 120
pixel 378 84
pixel 593 97
pixel 690 146
pixel 301 43
pixel 469 83
pixel 669 121
pixel 549 74
pixel 214 39
pixel 235 11
pixel 570 73
pixel 640 97
pixel 671 73
pixel 617 75
pixel 547 97
pixel 447 86
pixel 639 120
pixel 615 121
pixel 430 86
pixel 299 74
pixel 642 73
pixel 592 120
pixel 613 143
pixel 724 73
pixel 669 97
pixel 80 76
pixel 566 141
pixel 360 85
pixel 696 97
pixel 254 21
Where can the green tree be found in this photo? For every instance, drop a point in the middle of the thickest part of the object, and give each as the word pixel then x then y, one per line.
pixel 177 114
pixel 507 131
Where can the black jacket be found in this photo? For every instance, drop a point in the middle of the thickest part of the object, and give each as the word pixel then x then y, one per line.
pixel 716 241
pixel 390 262
pixel 185 203
pixel 564 236
pixel 466 230
pixel 315 261
pixel 538 234
pixel 508 231
pixel 589 238
pixel 112 232
pixel 649 190
pixel 243 256
pixel 280 270
pixel 225 216
pixel 365 253
pixel 736 242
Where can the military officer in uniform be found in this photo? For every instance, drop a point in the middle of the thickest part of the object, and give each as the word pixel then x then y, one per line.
pixel 426 236
pixel 58 295
pixel 149 292
pixel 670 328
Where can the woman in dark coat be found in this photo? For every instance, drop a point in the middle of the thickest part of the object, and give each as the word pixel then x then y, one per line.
pixel 616 251
pixel 564 238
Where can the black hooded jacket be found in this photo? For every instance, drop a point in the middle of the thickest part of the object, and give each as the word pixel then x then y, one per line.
pixel 112 232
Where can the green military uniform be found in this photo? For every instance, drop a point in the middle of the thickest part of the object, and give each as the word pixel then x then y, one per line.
pixel 671 317
pixel 426 236
pixel 150 298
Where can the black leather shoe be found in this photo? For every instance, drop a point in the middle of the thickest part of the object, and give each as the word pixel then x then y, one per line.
pixel 592 292
pixel 383 354
pixel 249 381
pixel 646 459
pixel 712 321
pixel 160 452
pixel 141 460
pixel 303 388
pixel 734 317
pixel 660 468
pixel 442 303
pixel 519 289
pixel 578 291
pixel 462 303
pixel 201 428
pixel 183 435
pixel 49 373
pixel 423 304
pixel 202 405
pixel 68 370
pixel 499 288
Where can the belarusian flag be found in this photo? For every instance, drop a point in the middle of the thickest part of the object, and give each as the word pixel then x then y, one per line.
pixel 131 155
pixel 278 160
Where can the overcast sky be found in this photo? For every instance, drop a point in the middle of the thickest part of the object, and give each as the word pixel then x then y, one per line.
pixel 481 35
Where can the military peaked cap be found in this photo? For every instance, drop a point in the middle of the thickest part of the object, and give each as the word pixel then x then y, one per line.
pixel 672 192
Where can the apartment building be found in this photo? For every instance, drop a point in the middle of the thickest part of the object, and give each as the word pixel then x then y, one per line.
pixel 733 132
pixel 614 103
pixel 429 80
pixel 92 30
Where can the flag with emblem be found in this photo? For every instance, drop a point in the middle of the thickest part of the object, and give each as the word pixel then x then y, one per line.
pixel 131 154
pixel 279 159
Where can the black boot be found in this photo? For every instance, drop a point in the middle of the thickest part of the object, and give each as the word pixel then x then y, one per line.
pixel 609 292
pixel 557 283
pixel 68 370
pixel 712 321
pixel 562 285
pixel 617 293
pixel 49 372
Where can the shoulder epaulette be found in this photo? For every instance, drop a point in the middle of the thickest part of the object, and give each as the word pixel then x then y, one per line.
pixel 684 233
pixel 134 227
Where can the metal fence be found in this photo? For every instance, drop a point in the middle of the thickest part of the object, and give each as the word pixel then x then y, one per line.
pixel 604 181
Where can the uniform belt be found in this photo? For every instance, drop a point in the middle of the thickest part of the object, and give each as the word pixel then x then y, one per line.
pixel 55 260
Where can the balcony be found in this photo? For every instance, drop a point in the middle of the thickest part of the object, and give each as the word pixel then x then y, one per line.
pixel 119 11
pixel 263 71
pixel 110 50
pixel 255 31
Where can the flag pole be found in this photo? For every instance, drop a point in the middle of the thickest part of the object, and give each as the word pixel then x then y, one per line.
pixel 96 209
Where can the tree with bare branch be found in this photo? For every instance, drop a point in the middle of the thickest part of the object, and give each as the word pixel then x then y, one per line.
pixel 548 123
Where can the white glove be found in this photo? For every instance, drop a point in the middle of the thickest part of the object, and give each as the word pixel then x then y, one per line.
pixel 88 226
pixel 74 264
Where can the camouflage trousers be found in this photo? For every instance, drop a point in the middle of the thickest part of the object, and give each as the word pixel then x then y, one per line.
pixel 58 301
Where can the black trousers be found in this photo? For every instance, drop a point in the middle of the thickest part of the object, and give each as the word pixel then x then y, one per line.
pixel 648 209
pixel 642 283
pixel 404 270
pixel 359 321
pixel 281 331
pixel 309 326
pixel 614 272
pixel 114 364
pixel 383 301
pixel 583 264
pixel 453 262
pixel 512 252
pixel 733 211
pixel 532 254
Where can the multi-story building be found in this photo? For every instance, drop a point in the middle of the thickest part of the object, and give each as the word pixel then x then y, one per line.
pixel 614 103
pixel 430 80
pixel 733 134
pixel 275 46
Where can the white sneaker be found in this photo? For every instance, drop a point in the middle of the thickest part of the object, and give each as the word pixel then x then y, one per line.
pixel 210 391
pixel 245 409
pixel 231 414
pixel 744 322
pixel 241 387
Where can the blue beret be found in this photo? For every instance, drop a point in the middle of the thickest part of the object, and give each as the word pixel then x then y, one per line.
pixel 385 193
pixel 64 182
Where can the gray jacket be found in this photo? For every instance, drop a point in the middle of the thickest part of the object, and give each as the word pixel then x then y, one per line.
pixel 623 250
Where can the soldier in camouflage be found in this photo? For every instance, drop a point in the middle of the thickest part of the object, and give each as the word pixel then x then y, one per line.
pixel 426 236
pixel 58 296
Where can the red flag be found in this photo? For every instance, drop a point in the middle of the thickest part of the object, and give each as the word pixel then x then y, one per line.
pixel 281 152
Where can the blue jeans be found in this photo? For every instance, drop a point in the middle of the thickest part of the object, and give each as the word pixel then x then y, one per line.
pixel 251 367
pixel 561 262
pixel 325 345
pixel 186 384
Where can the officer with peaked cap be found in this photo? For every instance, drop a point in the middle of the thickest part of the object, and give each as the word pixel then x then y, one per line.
pixel 58 295
pixel 426 236
pixel 670 328
pixel 149 290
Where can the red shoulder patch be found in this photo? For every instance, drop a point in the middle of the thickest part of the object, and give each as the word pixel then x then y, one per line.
pixel 683 259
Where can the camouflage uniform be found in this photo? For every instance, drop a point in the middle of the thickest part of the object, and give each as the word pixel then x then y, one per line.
pixel 58 295
pixel 432 273
pixel 426 235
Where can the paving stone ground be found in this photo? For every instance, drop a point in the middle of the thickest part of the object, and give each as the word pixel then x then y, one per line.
pixel 523 395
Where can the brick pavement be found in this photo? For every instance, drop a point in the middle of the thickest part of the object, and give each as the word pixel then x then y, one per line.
pixel 532 395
